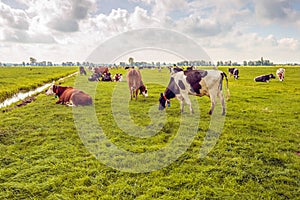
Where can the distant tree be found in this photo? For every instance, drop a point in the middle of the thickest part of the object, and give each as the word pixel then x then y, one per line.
pixel 131 61
pixel 250 63
pixel 32 60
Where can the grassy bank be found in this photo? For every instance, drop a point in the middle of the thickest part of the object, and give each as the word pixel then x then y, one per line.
pixel 23 79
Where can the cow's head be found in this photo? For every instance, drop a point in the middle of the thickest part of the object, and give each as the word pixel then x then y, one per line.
pixel 143 91
pixel 271 76
pixel 50 91
pixel 162 102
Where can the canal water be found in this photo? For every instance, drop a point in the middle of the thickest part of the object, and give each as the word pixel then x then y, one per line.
pixel 21 96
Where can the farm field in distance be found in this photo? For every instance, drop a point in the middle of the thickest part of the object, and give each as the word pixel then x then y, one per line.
pixel 256 156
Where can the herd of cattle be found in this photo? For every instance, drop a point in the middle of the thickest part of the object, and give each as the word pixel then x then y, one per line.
pixel 182 84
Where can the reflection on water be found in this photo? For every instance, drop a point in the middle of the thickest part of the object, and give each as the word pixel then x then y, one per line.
pixel 21 96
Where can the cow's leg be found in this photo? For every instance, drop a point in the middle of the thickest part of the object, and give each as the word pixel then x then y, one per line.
pixel 60 100
pixel 182 106
pixel 188 102
pixel 181 99
pixel 213 102
pixel 136 94
pixel 131 93
pixel 221 97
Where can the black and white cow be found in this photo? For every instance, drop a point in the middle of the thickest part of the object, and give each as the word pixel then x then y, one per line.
pixel 264 78
pixel 234 72
pixel 197 83
pixel 280 73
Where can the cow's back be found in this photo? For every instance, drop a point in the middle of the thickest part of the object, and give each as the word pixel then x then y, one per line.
pixel 78 97
pixel 134 78
pixel 213 78
pixel 66 95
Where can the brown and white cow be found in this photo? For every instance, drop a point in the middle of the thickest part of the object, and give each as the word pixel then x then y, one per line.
pixel 135 83
pixel 101 70
pixel 70 96
pixel 280 73
pixel 197 83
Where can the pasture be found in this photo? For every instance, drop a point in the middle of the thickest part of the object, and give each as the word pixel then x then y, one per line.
pixel 42 156
pixel 23 79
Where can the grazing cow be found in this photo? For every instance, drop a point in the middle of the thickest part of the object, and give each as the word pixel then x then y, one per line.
pixel 82 71
pixel 70 96
pixel 234 72
pixel 280 73
pixel 264 78
pixel 197 83
pixel 135 83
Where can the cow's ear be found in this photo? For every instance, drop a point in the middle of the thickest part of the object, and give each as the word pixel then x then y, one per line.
pixel 161 94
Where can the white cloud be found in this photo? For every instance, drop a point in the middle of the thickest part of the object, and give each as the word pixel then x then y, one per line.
pixel 22 36
pixel 277 11
pixel 141 19
pixel 113 23
pixel 13 18
pixel 290 44
pixel 232 29
pixel 198 26
pixel 120 20
pixel 59 15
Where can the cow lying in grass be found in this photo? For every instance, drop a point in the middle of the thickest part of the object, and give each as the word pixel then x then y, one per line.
pixel 195 82
pixel 264 78
pixel 70 96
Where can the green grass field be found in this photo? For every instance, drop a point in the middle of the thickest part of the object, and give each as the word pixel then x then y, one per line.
pixel 43 156
pixel 23 79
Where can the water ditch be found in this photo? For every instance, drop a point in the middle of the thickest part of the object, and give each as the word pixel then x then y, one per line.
pixel 22 96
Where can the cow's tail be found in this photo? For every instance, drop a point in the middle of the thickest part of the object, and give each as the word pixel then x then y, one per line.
pixel 227 88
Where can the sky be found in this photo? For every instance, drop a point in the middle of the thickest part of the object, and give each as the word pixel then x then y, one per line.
pixel 70 30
